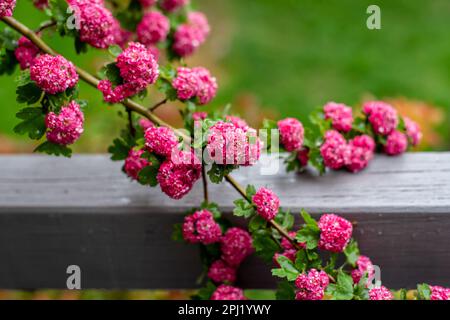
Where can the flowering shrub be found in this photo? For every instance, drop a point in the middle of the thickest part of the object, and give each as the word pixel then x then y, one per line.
pixel 305 259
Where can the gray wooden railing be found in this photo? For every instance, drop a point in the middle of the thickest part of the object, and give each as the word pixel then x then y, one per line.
pixel 83 211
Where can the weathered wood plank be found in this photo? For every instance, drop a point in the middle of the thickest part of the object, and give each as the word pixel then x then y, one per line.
pixel 56 212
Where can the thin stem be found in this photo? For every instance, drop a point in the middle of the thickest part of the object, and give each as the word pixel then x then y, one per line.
pixel 205 184
pixel 130 123
pixel 130 105
pixel 46 25
pixel 156 106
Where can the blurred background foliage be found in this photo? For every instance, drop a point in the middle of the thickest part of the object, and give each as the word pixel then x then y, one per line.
pixel 278 58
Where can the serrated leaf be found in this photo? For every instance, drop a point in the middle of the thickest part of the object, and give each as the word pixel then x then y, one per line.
pixel 206 292
pixel 33 123
pixel 119 150
pixel 287 269
pixel 218 172
pixel 285 291
pixel 343 288
pixel 265 246
pixel 147 176
pixel 309 236
pixel 112 73
pixel 28 93
pixel 243 208
pixel 54 149
pixel 351 252
pixel 115 50
pixel 257 222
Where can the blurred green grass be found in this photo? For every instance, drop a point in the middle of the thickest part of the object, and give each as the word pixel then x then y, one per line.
pixel 293 55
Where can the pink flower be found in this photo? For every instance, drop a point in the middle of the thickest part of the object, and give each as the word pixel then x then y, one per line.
pixel 396 143
pixel 25 53
pixel 335 233
pixel 335 151
pixel 267 203
pixel 311 285
pixel 134 163
pixel 200 22
pixel 340 115
pixel 172 5
pixel 227 144
pixel 200 227
pixel 291 134
pixel 199 116
pixel 147 3
pixel 176 177
pixel 67 126
pixel 413 131
pixel 225 292
pixel 363 267
pixel 160 140
pixel 7 8
pixel 303 156
pixel 439 293
pixel 380 293
pixel 236 245
pixel 196 82
pixel 382 116
pixel 137 65
pixel 40 4
pixel 191 35
pixel 221 272
pixel 153 28
pixel 97 24
pixel 361 152
pixel 238 122
pixel 53 74
pixel 145 124
pixel 138 69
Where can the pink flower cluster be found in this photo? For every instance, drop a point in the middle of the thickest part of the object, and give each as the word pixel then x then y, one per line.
pixel 221 272
pixel 153 28
pixel 292 134
pixel 200 227
pixel 225 292
pixel 7 8
pixel 238 122
pixel 160 140
pixel 363 267
pixel 191 35
pixel 413 132
pixel 236 245
pixel 335 233
pixel 53 74
pixel 311 285
pixel 382 116
pixel 340 115
pixel 138 69
pixel 267 203
pixel 67 126
pixel 230 145
pixel 98 26
pixel 290 251
pixel 178 174
pixel 380 293
pixel 172 5
pixel 26 52
pixel 396 143
pixel 134 163
pixel 354 155
pixel 195 83
pixel 439 293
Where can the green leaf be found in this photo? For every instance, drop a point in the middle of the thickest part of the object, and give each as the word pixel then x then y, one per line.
pixel 243 208
pixel 33 123
pixel 343 288
pixel 287 269
pixel 213 208
pixel 80 46
pixel 257 222
pixel 316 160
pixel 285 291
pixel 54 149
pixel 306 259
pixel 218 172
pixel 351 252
pixel 29 93
pixel 115 50
pixel 8 62
pixel 147 176
pixel 206 292
pixel 309 220
pixel 250 191
pixel 112 73
pixel 177 234
pixel 265 246
pixel 423 292
pixel 119 150
pixel 165 87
